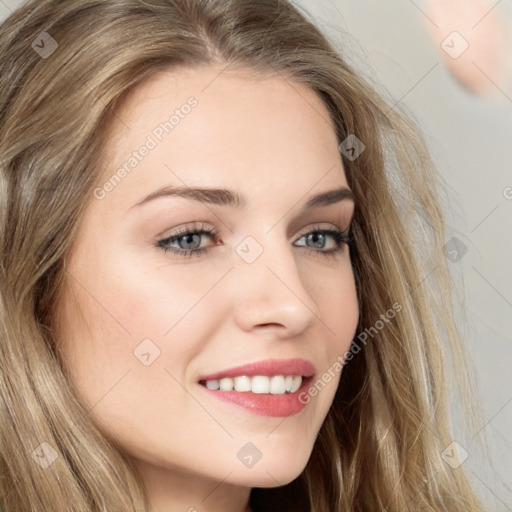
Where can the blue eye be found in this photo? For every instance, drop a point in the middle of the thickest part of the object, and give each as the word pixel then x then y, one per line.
pixel 319 236
pixel 189 238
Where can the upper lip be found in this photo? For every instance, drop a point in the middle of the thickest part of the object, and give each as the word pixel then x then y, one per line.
pixel 267 367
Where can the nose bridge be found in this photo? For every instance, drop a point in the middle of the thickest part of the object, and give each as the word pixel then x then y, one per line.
pixel 270 289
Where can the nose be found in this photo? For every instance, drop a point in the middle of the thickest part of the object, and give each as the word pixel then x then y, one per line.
pixel 271 294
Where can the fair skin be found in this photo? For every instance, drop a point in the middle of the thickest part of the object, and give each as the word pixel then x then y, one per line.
pixel 275 145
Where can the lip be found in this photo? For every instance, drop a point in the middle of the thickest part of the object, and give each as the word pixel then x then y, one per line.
pixel 267 367
pixel 265 404
pixel 262 403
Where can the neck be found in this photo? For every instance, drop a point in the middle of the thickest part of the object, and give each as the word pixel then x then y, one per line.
pixel 172 491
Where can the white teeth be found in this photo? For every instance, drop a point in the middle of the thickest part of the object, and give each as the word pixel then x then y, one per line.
pixel 297 381
pixel 212 384
pixel 261 384
pixel 277 385
pixel 242 383
pixel 226 384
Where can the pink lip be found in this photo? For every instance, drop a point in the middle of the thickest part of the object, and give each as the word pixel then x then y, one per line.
pixel 262 403
pixel 268 367
pixel 266 404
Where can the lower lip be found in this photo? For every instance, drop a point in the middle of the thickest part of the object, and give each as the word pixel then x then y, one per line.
pixel 266 404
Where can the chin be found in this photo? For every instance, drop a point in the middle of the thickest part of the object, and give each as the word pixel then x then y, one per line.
pixel 274 472
pixel 266 480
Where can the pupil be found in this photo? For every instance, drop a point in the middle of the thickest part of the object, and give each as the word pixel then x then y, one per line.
pixel 188 238
pixel 315 236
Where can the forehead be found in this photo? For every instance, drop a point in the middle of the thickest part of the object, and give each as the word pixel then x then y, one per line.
pixel 245 129
pixel 227 94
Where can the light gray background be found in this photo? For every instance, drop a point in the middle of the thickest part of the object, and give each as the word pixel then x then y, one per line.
pixel 471 141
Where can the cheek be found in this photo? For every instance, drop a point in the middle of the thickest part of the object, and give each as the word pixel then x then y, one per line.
pixel 153 297
pixel 129 308
pixel 336 296
pixel 114 347
pixel 335 293
pixel 145 304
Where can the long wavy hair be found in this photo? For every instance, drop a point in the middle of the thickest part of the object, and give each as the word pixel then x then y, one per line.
pixel 380 446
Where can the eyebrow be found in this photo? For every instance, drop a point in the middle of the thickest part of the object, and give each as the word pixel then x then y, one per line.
pixel 225 197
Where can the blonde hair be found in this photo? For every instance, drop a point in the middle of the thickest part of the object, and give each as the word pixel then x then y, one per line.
pixel 380 447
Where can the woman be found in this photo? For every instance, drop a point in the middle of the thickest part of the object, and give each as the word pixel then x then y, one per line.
pixel 223 281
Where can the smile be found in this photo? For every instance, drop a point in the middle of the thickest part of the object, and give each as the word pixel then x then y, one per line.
pixel 274 385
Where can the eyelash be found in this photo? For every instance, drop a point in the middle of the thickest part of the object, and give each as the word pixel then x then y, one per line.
pixel 340 237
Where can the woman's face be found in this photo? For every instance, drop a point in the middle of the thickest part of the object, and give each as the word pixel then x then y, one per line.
pixel 146 318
